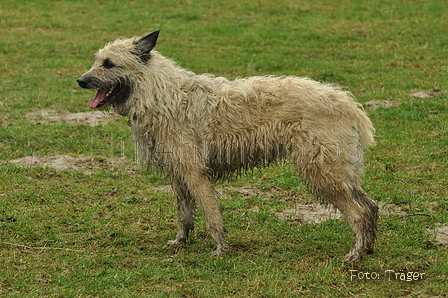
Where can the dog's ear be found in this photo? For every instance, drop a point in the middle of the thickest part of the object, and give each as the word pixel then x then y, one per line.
pixel 145 44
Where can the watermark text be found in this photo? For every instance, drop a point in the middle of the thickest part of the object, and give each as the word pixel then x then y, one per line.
pixel 387 275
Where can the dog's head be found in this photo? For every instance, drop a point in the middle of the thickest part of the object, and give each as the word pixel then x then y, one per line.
pixel 115 64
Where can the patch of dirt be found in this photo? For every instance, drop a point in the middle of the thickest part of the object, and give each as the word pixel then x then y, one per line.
pixel 58 162
pixel 84 164
pixel 309 213
pixel 302 211
pixel 375 104
pixel 428 93
pixel 273 193
pixel 392 209
pixel 442 235
pixel 163 188
pixel 387 103
pixel 49 116
pixel 315 212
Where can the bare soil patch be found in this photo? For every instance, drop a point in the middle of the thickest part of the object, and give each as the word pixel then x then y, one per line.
pixel 387 103
pixel 428 93
pixel 309 213
pixel 442 235
pixel 84 164
pixel 51 116
pixel 375 104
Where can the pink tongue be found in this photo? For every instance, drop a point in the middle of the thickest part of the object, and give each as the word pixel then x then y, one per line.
pixel 99 97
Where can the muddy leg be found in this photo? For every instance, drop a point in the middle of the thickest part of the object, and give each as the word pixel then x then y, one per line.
pixel 363 225
pixel 339 184
pixel 185 213
pixel 205 195
pixel 361 213
pixel 199 187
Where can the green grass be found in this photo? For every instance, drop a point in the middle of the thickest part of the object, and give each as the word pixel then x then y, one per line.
pixel 71 234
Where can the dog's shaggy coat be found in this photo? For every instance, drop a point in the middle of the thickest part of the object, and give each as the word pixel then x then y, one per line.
pixel 200 128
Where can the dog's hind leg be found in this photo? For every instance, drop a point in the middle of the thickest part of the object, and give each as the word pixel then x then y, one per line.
pixel 364 228
pixel 361 213
pixel 339 184
pixel 185 213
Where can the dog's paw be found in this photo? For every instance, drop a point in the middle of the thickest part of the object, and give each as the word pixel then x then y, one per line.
pixel 219 251
pixel 174 243
pixel 352 258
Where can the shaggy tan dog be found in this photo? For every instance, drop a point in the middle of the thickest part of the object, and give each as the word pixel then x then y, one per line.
pixel 200 128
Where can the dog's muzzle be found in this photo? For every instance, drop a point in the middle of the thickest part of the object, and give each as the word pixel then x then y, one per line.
pixel 83 82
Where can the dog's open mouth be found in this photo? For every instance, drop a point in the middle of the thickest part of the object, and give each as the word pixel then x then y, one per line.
pixel 101 98
pixel 108 93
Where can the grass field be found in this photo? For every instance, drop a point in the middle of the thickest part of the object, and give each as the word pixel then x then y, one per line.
pixel 100 232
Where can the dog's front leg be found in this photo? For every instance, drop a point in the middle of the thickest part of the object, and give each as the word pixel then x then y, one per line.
pixel 198 186
pixel 185 213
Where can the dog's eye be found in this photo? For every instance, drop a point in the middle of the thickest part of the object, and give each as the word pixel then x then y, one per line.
pixel 108 64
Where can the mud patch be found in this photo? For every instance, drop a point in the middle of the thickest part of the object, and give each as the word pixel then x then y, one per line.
pixel 315 212
pixel 84 164
pixel 310 213
pixel 375 104
pixel 57 162
pixel 387 103
pixel 442 235
pixel 428 93
pixel 163 188
pixel 274 193
pixel 50 116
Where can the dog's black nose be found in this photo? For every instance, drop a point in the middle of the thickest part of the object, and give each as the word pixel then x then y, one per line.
pixel 82 82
